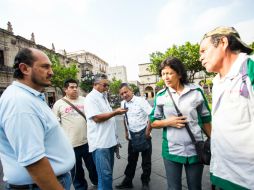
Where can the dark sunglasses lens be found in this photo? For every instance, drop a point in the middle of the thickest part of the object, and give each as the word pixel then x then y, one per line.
pixel 105 85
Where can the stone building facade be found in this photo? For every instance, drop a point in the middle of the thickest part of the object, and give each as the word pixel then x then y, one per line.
pixel 10 44
pixel 117 72
pixel 148 81
pixel 89 62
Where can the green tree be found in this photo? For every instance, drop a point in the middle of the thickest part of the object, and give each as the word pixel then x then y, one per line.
pixel 87 82
pixel 114 86
pixel 160 84
pixel 134 88
pixel 61 72
pixel 187 53
pixel 252 47
pixel 156 58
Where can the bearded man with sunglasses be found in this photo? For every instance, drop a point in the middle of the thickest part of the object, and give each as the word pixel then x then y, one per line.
pixel 101 130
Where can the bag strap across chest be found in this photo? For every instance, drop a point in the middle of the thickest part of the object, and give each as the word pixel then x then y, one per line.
pixel 74 107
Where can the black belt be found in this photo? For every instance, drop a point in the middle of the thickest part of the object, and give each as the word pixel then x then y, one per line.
pixel 29 186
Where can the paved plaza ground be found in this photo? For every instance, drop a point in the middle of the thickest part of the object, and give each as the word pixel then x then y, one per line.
pixel 158 176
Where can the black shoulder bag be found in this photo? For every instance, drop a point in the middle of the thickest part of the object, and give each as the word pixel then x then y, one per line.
pixel 202 147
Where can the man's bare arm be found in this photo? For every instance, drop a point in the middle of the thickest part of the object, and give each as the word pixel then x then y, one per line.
pixel 43 175
pixel 105 116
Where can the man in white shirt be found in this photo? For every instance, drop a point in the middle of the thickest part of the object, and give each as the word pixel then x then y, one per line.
pixel 74 125
pixel 101 130
pixel 136 120
pixel 223 52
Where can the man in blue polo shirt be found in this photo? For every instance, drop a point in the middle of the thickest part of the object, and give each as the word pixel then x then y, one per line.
pixel 34 150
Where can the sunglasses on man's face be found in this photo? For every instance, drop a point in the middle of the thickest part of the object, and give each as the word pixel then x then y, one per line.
pixel 105 85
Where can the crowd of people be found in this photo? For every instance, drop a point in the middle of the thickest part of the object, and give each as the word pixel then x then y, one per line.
pixel 44 148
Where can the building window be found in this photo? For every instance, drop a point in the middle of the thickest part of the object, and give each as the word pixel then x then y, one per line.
pixel 1 57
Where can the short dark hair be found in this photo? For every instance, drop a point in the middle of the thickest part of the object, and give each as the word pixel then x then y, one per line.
pixel 68 81
pixel 233 43
pixel 26 56
pixel 175 64
pixel 125 85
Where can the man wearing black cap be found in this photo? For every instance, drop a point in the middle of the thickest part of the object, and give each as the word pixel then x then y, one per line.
pixel 222 51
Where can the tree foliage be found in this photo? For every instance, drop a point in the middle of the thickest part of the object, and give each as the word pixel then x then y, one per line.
pixel 87 83
pixel 114 86
pixel 135 89
pixel 61 72
pixel 160 84
pixel 252 47
pixel 187 53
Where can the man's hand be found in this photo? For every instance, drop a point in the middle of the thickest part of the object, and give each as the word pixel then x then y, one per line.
pixel 120 111
pixel 117 150
pixel 148 131
pixel 127 135
pixel 177 122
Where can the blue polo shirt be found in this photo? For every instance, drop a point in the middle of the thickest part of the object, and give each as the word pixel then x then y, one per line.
pixel 30 131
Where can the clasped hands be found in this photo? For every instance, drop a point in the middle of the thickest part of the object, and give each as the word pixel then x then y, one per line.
pixel 176 121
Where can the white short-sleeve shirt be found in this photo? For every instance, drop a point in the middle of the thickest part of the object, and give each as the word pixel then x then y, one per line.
pixel 137 114
pixel 103 134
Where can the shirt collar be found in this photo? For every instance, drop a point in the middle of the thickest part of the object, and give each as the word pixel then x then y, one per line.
pixel 29 89
pixel 96 92
pixel 186 88
pixel 132 99
pixel 235 68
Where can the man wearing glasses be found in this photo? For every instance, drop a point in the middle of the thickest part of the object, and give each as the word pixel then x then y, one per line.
pixel 101 130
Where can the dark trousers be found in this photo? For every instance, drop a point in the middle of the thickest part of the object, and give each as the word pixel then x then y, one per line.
pixel 77 172
pixel 174 175
pixel 132 163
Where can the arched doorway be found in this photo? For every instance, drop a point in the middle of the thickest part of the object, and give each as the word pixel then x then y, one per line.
pixel 149 92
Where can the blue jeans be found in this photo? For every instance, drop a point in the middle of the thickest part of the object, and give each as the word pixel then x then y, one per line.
pixel 174 175
pixel 104 161
pixel 65 181
pixel 77 172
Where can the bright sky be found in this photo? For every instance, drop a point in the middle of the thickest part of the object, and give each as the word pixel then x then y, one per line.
pixel 124 32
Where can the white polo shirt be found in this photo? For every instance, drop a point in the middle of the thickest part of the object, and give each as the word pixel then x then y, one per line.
pixel 103 134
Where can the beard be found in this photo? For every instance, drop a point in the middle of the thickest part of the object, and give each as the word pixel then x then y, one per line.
pixel 39 82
